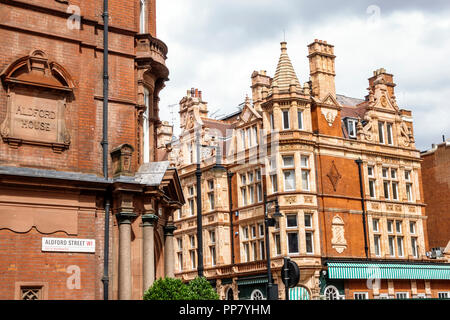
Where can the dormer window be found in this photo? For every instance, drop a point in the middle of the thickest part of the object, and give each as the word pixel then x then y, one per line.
pixel 351 128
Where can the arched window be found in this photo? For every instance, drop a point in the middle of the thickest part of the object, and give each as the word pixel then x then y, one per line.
pixel 143 16
pixel 230 294
pixel 331 293
pixel 146 126
pixel 257 295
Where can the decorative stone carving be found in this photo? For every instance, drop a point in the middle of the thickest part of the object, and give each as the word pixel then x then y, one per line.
pixel 37 94
pixel 338 241
pixel 122 160
pixel 330 115
pixel 291 199
pixel 334 176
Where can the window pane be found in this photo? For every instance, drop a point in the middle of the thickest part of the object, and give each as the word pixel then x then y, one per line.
pixel 386 189
pixel 370 171
pixel 288 161
pixel 304 161
pixel 286 124
pixel 389 133
pixel 400 246
pixel 391 246
pixel 309 242
pixel 305 179
pixel 376 240
pixel 395 190
pixel 291 221
pixel 289 180
pixel 293 242
pixel 308 221
pixel 274 181
pixel 278 244
pixel 375 224
pixel 300 120
pixel 372 188
pixel 381 131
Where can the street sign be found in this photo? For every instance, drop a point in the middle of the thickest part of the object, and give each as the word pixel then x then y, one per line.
pixel 293 274
pixel 68 245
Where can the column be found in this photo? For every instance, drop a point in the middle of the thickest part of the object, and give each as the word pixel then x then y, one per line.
pixel 124 220
pixel 169 257
pixel 148 223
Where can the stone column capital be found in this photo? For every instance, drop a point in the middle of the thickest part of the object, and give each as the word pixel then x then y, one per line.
pixel 125 217
pixel 169 230
pixel 149 220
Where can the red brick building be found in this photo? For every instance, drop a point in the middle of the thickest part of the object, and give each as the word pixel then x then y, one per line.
pixel 52 183
pixel 436 190
pixel 345 172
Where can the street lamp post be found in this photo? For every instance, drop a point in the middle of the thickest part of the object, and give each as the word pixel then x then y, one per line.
pixel 270 222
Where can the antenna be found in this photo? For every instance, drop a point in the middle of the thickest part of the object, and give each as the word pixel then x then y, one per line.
pixel 284 35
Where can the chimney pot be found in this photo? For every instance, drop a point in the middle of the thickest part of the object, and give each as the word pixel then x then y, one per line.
pixel 196 93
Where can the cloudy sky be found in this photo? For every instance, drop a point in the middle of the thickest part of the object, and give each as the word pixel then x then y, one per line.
pixel 215 45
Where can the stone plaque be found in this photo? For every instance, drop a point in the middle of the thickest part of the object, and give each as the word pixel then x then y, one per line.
pixel 37 117
pixel 37 92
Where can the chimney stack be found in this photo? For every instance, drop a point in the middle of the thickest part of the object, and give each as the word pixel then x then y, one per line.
pixel 322 68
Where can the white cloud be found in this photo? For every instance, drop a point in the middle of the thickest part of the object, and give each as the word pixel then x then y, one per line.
pixel 215 48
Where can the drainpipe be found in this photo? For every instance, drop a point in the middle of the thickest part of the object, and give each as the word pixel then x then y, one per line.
pixel 105 278
pixel 366 248
pixel 230 194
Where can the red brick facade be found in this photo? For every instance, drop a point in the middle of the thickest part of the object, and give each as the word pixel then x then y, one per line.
pixel 436 188
pixel 51 165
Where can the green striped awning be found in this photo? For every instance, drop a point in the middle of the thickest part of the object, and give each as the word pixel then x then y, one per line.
pixel 410 271
pixel 298 293
pixel 255 280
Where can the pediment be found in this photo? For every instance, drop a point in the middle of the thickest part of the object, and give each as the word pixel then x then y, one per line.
pixel 385 103
pixel 248 114
pixel 331 101
pixel 37 70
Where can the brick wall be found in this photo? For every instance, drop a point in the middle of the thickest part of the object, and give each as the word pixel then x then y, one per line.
pixel 436 189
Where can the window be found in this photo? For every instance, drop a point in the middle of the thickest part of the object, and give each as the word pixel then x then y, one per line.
pixel 212 252
pixel 272 124
pixel 259 193
pixel 245 233
pixel 351 128
pixel 390 138
pixel 274 181
pixel 288 162
pixel 257 295
pixel 409 192
pixel 254 251
pixel 414 248
pixel 376 223
pixel 251 189
pixel 376 242
pixel 142 17
pixel 286 121
pixel 402 295
pixel 289 180
pixel 332 293
pixel 31 293
pixel 291 221
pixel 247 252
pixel 381 131
pixel 372 181
pixel 400 246
pixel 261 229
pixel 211 194
pixel 390 226
pixel 412 227
pixel 191 207
pixel 249 137
pixel 300 119
pixel 244 196
pixel 443 295
pixel 391 241
pixel 304 163
pixel 390 183
pixel 308 220
pixel 253 231
pixel 192 253
pixel 309 242
pixel 277 244
pixel 180 253
pixel 146 126
pixel 361 295
pixel 255 135
pixel 398 226
pixel 292 238
pixel 262 252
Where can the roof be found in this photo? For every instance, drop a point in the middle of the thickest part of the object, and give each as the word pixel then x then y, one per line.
pixel 285 73
pixel 152 173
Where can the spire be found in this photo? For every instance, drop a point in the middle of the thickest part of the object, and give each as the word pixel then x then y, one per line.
pixel 285 74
